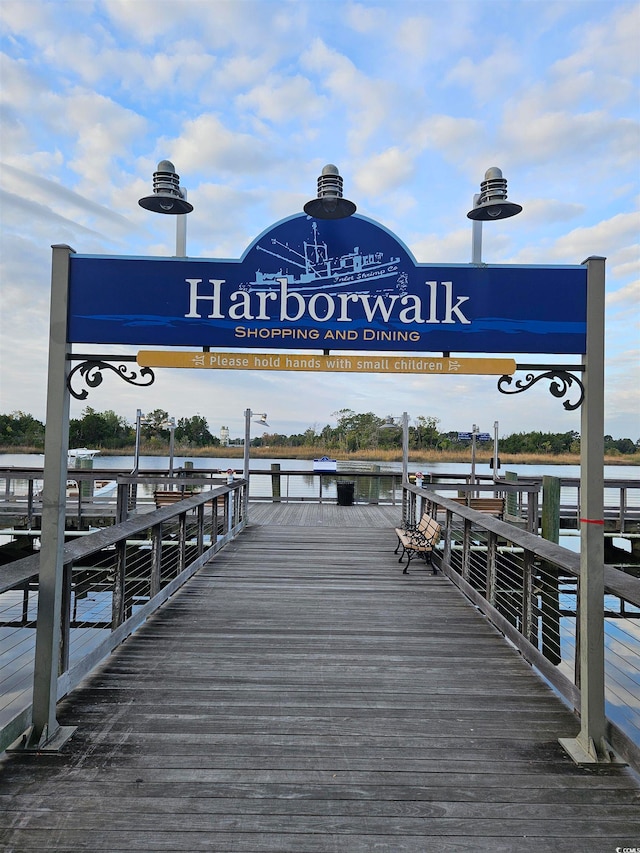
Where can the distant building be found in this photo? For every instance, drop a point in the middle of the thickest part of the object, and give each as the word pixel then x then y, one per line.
pixel 224 436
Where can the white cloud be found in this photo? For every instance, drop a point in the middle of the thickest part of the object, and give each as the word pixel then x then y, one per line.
pixel 20 83
pixel 413 39
pixel 36 19
pixel 542 137
pixel 146 21
pixel 367 102
pixel 546 210
pixel 206 144
pixel 488 76
pixel 604 238
pixel 238 73
pixel 454 138
pixel 610 44
pixel 364 19
pixel 625 298
pixel 436 249
pixel 384 172
pixel 278 99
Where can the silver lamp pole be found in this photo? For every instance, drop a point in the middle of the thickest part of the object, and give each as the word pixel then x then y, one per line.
pixel 136 458
pixel 248 414
pixel 496 459
pixel 405 447
pixel 392 422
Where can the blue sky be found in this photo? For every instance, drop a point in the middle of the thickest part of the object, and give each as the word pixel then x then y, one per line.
pixel 412 100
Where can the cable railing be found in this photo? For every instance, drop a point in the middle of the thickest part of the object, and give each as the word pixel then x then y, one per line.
pixel 113 579
pixel 530 589
pixel 95 496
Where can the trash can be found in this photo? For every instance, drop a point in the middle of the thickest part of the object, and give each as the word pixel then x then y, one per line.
pixel 345 493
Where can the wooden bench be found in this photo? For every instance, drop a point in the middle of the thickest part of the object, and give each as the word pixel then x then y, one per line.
pixel 418 540
pixel 165 498
pixel 490 506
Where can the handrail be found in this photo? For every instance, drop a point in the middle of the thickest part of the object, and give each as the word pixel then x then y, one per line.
pixel 113 579
pixel 526 586
pixel 617 582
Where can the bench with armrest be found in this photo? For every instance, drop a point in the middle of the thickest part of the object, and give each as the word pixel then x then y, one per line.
pixel 418 540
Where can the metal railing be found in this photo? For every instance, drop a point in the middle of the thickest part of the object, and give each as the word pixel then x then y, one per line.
pixel 113 580
pixel 529 588
pixel 87 499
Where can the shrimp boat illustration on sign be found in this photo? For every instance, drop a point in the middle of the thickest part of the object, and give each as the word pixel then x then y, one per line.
pixel 316 270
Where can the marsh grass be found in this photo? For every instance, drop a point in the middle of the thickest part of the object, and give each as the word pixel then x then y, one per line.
pixel 374 455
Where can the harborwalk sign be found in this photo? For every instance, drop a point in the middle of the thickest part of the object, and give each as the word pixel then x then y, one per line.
pixel 307 284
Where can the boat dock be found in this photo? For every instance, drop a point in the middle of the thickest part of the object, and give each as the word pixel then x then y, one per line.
pixel 299 694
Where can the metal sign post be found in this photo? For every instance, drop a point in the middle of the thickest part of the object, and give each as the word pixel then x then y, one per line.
pixel 45 732
pixel 589 747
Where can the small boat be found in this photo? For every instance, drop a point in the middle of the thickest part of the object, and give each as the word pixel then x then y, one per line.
pixel 81 453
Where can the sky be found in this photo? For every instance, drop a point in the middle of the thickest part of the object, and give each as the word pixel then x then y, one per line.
pixel 413 100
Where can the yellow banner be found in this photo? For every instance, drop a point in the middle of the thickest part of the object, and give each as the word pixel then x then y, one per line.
pixel 425 364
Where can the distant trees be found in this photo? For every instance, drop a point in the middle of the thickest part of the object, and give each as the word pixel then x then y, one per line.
pixel 19 429
pixel 194 431
pixel 541 442
pixel 622 446
pixel 352 431
pixel 100 429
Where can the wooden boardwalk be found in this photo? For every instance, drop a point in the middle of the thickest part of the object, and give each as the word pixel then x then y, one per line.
pixel 300 695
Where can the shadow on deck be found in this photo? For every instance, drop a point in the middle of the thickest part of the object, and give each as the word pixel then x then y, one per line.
pixel 300 694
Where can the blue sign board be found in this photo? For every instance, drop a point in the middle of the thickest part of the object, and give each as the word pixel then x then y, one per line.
pixel 346 284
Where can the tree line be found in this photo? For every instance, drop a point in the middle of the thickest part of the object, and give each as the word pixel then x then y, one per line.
pixel 352 432
pixel 107 430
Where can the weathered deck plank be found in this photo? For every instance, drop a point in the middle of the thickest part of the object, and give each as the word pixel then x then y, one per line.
pixel 299 695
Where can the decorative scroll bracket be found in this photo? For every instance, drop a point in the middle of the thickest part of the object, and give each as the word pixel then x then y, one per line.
pixel 90 370
pixel 562 380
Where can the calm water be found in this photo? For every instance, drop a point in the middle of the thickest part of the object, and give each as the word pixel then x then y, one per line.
pixel 161 463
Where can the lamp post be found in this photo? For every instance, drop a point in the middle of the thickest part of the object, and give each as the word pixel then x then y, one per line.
pixel 489 204
pixel 170 424
pixel 495 462
pixel 262 420
pixel 133 488
pixel 170 198
pixel 474 436
pixel 390 423
pixel 136 458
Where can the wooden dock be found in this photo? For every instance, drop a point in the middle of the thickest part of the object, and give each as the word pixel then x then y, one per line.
pixel 301 695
